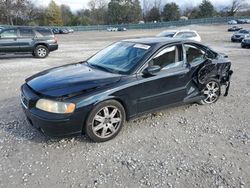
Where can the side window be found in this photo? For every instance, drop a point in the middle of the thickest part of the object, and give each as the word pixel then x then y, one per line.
pixel 26 33
pixel 11 33
pixel 180 34
pixel 194 54
pixel 43 32
pixel 170 57
pixel 190 34
pixel 186 35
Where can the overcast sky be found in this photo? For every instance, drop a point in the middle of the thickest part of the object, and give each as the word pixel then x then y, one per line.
pixel 79 4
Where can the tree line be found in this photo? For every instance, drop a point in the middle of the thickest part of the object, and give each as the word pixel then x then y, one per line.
pixel 25 12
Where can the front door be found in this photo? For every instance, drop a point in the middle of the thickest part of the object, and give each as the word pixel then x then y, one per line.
pixel 167 86
pixel 8 41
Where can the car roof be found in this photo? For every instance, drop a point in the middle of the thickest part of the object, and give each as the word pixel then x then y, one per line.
pixel 158 40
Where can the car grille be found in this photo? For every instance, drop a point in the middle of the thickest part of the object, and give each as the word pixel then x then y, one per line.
pixel 24 101
pixel 237 36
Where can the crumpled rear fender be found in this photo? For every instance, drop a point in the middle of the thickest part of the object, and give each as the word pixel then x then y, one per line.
pixel 210 69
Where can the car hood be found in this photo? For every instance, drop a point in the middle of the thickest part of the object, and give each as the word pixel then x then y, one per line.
pixel 70 79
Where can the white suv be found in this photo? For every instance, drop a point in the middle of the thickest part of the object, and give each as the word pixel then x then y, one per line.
pixel 185 34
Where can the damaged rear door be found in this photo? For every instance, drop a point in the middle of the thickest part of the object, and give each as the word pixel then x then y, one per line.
pixel 196 57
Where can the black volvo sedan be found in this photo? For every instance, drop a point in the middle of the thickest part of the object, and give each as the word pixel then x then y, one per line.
pixel 127 79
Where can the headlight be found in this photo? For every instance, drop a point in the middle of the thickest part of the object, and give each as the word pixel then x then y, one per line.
pixel 55 106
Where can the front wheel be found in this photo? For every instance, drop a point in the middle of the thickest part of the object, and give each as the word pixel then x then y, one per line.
pixel 41 51
pixel 105 121
pixel 211 92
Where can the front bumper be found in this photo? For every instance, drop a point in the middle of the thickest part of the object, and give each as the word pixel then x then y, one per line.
pixel 245 44
pixel 237 39
pixel 54 125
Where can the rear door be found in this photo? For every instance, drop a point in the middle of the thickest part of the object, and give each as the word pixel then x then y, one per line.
pixel 8 41
pixel 196 56
pixel 26 39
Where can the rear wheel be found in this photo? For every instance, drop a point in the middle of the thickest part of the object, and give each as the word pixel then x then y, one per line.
pixel 211 92
pixel 105 121
pixel 41 51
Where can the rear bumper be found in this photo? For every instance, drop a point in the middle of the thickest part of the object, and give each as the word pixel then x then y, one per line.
pixel 52 47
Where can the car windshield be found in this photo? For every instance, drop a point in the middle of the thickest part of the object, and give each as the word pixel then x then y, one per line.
pixel 166 34
pixel 120 57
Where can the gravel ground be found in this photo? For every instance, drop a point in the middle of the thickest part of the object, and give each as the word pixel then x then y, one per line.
pixel 185 146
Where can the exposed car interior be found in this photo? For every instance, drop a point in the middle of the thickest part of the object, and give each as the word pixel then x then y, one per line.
pixel 193 54
pixel 169 57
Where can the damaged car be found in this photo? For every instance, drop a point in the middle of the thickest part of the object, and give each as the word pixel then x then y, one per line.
pixel 125 80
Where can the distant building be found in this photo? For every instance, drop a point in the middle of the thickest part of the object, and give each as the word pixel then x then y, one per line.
pixel 183 18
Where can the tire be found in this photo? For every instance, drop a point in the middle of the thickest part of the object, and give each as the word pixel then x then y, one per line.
pixel 211 91
pixel 105 121
pixel 41 51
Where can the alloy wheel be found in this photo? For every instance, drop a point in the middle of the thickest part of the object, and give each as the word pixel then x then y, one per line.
pixel 211 92
pixel 41 52
pixel 106 122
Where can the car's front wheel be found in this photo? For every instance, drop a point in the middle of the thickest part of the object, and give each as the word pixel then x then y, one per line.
pixel 105 121
pixel 41 51
pixel 211 92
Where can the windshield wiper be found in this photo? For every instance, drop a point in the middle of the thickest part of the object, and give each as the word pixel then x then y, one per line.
pixel 101 67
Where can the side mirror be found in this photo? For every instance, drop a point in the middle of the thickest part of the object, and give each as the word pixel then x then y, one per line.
pixel 151 70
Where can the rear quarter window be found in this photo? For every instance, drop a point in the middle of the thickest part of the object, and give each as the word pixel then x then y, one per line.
pixel 44 33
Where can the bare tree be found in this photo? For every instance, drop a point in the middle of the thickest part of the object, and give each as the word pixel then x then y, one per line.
pixel 13 10
pixel 157 4
pixel 235 7
pixel 98 11
pixel 97 4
